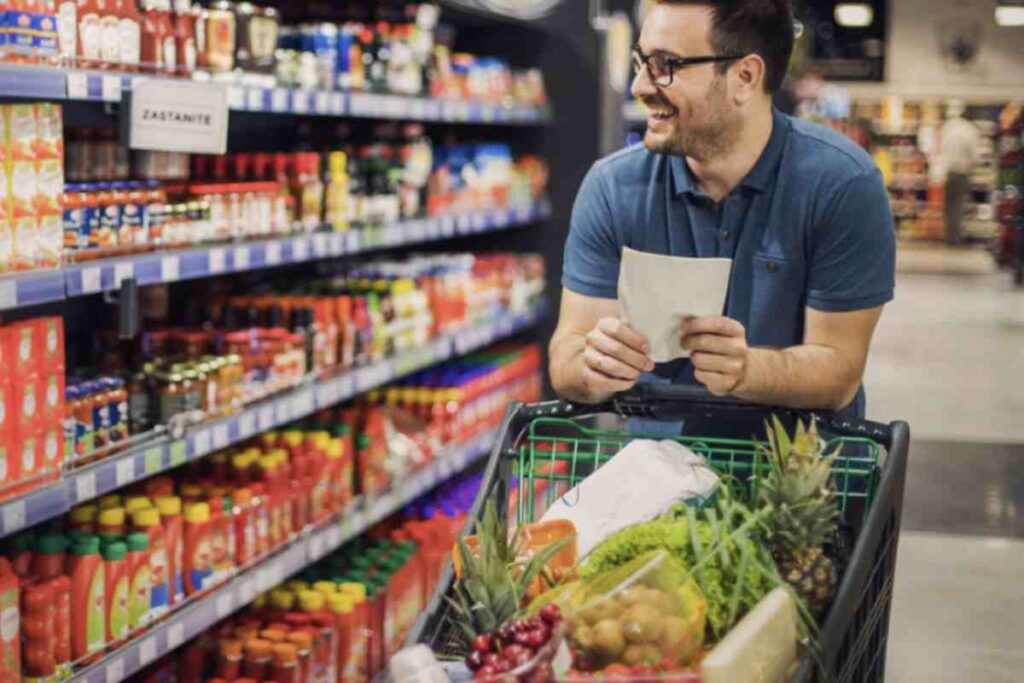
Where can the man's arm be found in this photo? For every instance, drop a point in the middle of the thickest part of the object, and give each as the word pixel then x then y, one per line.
pixel 824 372
pixel 593 355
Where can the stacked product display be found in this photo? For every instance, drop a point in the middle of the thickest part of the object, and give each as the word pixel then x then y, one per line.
pixel 1010 208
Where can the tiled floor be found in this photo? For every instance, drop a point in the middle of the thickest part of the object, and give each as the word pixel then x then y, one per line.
pixel 949 358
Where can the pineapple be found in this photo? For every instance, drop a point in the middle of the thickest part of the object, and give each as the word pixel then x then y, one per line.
pixel 802 496
pixel 494 580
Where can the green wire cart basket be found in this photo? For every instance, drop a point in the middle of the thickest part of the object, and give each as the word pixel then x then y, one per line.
pixel 555 445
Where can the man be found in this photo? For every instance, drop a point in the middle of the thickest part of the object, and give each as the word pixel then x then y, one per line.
pixel 958 154
pixel 802 211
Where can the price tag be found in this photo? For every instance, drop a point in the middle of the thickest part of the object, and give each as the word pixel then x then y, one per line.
pixel 246 425
pixel 91 282
pixel 123 271
pixel 85 486
pixel 111 89
pixel 351 241
pixel 217 261
pixel 254 99
pixel 224 604
pixel 175 636
pixel 300 250
pixel 246 591
pixel 115 671
pixel 323 102
pixel 14 516
pixel 316 547
pixel 177 453
pixel 501 218
pixel 221 437
pixel 78 86
pixel 282 412
pixel 300 102
pixel 266 418
pixel 337 104
pixel 125 471
pixel 478 221
pixel 324 394
pixel 334 536
pixel 319 244
pixel 279 100
pixel 8 294
pixel 447 226
pixel 236 97
pixel 170 269
pixel 201 443
pixel 147 651
pixel 153 460
pixel 241 259
pixel 273 253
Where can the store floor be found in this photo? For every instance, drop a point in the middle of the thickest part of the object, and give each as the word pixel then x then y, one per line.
pixel 949 358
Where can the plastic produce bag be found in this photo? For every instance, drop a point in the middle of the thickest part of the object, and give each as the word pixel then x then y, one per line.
pixel 642 481
pixel 644 618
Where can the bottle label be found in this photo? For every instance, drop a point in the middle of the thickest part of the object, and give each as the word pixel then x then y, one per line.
pixel 130 34
pixel 262 38
pixel 90 32
pixel 95 611
pixel 110 39
pixel 119 609
pixel 140 597
pixel 170 54
pixel 159 596
pixel 67 29
pixel 188 56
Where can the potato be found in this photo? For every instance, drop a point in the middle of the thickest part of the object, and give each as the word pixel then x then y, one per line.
pixel 633 595
pixel 637 655
pixel 608 640
pixel 583 636
pixel 678 640
pixel 608 608
pixel 659 598
pixel 642 624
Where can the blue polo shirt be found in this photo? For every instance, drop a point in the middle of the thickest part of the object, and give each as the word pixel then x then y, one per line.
pixel 810 225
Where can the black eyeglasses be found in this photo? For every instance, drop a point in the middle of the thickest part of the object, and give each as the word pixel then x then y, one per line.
pixel 662 68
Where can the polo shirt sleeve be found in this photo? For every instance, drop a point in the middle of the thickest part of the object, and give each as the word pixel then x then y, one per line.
pixel 853 251
pixel 591 260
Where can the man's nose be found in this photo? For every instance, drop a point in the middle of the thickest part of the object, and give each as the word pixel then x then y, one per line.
pixel 642 84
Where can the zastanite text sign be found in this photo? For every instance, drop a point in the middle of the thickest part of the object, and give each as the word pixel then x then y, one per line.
pixel 169 116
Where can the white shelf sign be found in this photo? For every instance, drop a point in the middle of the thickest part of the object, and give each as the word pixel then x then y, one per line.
pixel 173 116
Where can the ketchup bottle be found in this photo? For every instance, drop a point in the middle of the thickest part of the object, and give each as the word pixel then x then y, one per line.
pixel 185 37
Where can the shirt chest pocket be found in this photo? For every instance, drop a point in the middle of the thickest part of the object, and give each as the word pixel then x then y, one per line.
pixel 777 300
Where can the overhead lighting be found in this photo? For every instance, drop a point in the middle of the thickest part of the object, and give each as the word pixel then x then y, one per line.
pixel 854 14
pixel 1010 15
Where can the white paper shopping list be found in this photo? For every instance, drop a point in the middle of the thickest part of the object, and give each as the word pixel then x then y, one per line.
pixel 657 292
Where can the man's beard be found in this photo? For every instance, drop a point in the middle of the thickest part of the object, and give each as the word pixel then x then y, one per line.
pixel 711 138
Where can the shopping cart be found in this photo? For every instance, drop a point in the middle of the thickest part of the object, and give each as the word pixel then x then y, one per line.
pixel 869 475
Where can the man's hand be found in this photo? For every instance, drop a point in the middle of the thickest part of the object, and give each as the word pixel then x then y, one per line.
pixel 614 355
pixel 719 352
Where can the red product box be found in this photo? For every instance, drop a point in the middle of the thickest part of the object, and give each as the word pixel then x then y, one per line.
pixel 21 350
pixel 51 393
pixel 52 446
pixel 50 340
pixel 28 456
pixel 28 407
pixel 9 470
pixel 6 414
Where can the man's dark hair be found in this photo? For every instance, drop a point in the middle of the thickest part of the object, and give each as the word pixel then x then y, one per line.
pixel 743 27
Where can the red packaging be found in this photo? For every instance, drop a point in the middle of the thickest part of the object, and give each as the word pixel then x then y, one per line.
pixel 27 455
pixel 6 410
pixel 10 642
pixel 52 450
pixel 28 407
pixel 51 396
pixel 20 350
pixel 49 337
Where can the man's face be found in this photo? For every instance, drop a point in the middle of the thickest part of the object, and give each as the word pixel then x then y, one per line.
pixel 693 116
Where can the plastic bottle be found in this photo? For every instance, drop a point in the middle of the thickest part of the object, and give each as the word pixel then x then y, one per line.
pixel 174 542
pixel 229 663
pixel 129 32
pixel 342 606
pixel 219 563
pixel 83 518
pixel 133 504
pixel 110 523
pixel 88 597
pixel 148 522
pixel 198 569
pixel 303 642
pixel 48 559
pixel 245 530
pixel 286 664
pixel 259 656
pixel 115 574
pixel 313 604
pixel 140 585
pixel 261 518
pixel 110 500
pixel 362 637
pixel 39 643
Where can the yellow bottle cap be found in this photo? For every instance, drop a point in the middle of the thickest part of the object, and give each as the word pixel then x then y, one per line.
pixel 325 587
pixel 336 449
pixel 111 517
pixel 84 514
pixel 197 513
pixel 312 601
pixel 293 438
pixel 356 590
pixel 340 603
pixel 296 585
pixel 320 439
pixel 146 518
pixel 111 500
pixel 136 503
pixel 168 505
pixel 282 599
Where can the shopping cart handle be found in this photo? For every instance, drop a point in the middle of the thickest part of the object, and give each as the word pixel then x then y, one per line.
pixel 680 400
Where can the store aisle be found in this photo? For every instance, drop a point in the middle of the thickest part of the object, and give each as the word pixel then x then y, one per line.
pixel 949 358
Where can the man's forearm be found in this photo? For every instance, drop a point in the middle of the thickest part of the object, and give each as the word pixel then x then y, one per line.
pixel 565 355
pixel 806 376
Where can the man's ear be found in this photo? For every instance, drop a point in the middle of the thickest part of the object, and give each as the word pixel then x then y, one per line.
pixel 747 77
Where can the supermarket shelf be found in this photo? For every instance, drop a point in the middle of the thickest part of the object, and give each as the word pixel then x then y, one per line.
pixel 51 83
pixel 196 616
pixel 159 267
pixel 160 454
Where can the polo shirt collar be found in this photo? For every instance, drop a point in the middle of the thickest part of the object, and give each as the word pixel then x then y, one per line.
pixel 757 179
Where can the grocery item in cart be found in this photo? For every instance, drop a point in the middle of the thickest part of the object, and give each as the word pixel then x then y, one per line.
pixel 642 481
